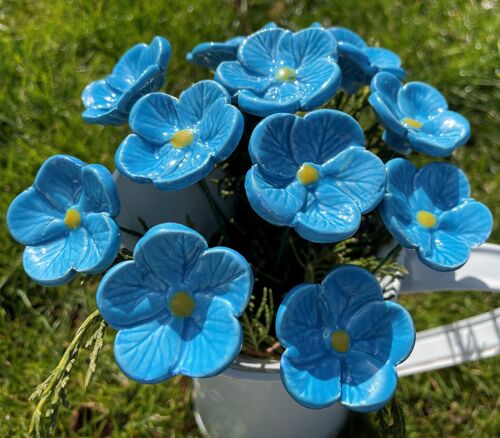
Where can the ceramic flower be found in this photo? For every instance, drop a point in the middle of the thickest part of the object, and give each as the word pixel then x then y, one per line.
pixel 416 117
pixel 175 305
pixel 66 221
pixel 431 211
pixel 211 54
pixel 280 71
pixel 313 174
pixel 359 62
pixel 178 142
pixel 139 71
pixel 342 341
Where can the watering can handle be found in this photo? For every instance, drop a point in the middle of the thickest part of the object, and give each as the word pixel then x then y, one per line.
pixel 462 341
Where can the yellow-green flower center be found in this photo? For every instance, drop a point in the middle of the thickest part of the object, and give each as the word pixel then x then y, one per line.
pixel 412 123
pixel 181 304
pixel 340 341
pixel 285 74
pixel 426 219
pixel 181 139
pixel 72 219
pixel 307 174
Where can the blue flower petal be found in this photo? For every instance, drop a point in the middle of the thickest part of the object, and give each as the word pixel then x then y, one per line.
pixel 98 190
pixel 60 180
pixel 195 101
pixel 353 64
pixel 330 216
pixel 314 386
pixel 182 168
pixel 212 338
pixel 150 80
pixel 98 95
pixel 323 134
pixel 277 205
pixel 420 101
pixel 383 330
pixel 400 175
pixel 32 220
pixel 441 135
pixel 138 160
pixel 221 129
pixel 126 70
pixel 359 174
pixel 384 59
pixel 384 100
pixel 296 50
pixel 367 385
pixel 446 185
pixel 344 35
pixel 234 77
pixel 259 51
pixel 270 146
pixel 223 273
pixel 447 252
pixel 154 117
pixel 100 245
pixel 298 325
pixel 211 54
pixel 129 295
pixel 149 352
pixel 53 263
pixel 471 221
pixel 170 251
pixel 345 290
pixel 156 53
pixel 318 81
pixel 262 107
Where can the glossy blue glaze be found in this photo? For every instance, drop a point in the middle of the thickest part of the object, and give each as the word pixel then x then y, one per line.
pixel 56 251
pixel 149 155
pixel 141 70
pixel 211 54
pixel 380 335
pixel 442 190
pixel 351 180
pixel 255 79
pixel 135 298
pixel 359 62
pixel 439 131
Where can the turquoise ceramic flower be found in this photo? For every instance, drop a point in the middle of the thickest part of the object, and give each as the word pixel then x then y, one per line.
pixel 211 54
pixel 139 71
pixel 431 211
pixel 342 341
pixel 416 117
pixel 178 142
pixel 313 174
pixel 66 221
pixel 175 306
pixel 280 71
pixel 359 62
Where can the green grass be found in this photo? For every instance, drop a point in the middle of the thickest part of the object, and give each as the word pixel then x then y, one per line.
pixel 49 50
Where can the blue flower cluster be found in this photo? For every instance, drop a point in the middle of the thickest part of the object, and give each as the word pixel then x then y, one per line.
pixel 176 304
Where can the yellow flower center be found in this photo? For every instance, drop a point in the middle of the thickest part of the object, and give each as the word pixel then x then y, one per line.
pixel 72 218
pixel 181 139
pixel 182 304
pixel 307 174
pixel 340 341
pixel 426 219
pixel 412 123
pixel 285 74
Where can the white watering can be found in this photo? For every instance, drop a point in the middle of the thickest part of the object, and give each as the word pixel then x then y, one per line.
pixel 248 399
